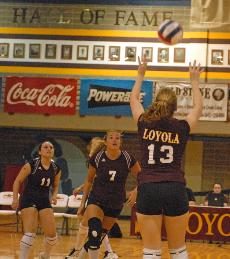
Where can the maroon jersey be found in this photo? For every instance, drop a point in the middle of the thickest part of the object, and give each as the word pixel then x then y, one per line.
pixel 40 180
pixel 111 175
pixel 163 143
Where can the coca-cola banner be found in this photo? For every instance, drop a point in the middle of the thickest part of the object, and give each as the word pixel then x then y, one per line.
pixel 111 97
pixel 40 95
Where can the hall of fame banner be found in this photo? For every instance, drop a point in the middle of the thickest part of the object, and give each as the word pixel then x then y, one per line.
pixel 215 100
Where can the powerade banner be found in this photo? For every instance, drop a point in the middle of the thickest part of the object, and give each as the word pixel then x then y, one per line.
pixel 111 97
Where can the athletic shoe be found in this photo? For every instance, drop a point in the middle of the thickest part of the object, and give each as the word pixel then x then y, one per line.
pixel 110 255
pixel 72 254
pixel 42 256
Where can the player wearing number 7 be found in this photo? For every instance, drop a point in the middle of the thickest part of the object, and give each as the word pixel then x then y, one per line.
pixel 41 174
pixel 104 190
pixel 161 186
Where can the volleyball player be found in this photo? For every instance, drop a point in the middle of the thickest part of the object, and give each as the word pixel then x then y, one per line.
pixel 42 175
pixel 161 184
pixel 104 190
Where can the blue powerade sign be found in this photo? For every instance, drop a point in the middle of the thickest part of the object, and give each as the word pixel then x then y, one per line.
pixel 111 97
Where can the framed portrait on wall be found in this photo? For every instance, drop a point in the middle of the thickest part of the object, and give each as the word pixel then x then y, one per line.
pixel 130 53
pixel 82 52
pixel 98 52
pixel 228 57
pixel 217 57
pixel 66 51
pixel 114 53
pixel 179 55
pixel 163 55
pixel 19 50
pixel 4 50
pixel 148 52
pixel 51 50
pixel 34 50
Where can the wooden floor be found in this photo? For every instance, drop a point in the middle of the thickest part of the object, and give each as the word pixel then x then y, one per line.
pixel 126 247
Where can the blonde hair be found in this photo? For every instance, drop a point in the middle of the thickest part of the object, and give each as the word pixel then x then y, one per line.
pixel 95 145
pixel 164 105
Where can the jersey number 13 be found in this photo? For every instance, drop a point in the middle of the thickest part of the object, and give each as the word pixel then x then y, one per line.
pixel 168 154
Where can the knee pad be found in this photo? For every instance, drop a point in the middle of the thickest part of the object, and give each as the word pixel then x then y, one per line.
pixel 27 239
pixel 179 253
pixel 151 254
pixel 51 241
pixel 95 233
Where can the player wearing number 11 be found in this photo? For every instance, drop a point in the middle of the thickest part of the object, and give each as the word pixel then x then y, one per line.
pixel 161 185
pixel 41 174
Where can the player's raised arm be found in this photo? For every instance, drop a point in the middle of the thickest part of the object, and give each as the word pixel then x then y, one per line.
pixel 136 107
pixel 193 117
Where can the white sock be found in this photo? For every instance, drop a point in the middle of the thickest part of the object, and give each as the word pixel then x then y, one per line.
pixel 107 244
pixel 81 237
pixel 25 244
pixel 180 253
pixel 93 254
pixel 151 254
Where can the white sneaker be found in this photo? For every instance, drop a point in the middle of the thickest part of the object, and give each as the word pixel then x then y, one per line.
pixel 110 255
pixel 42 256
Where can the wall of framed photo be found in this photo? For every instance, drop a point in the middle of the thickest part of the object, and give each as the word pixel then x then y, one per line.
pixel 104 52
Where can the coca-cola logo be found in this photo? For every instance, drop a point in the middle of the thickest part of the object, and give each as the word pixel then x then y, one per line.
pixel 55 95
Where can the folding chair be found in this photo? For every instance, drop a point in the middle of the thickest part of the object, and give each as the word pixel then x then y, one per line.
pixel 60 208
pixel 74 202
pixel 6 199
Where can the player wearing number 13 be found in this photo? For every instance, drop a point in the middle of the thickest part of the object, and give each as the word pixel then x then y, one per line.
pixel 40 174
pixel 161 184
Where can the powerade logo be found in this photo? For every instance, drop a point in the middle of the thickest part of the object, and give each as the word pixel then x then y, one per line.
pixel 110 97
pixel 102 96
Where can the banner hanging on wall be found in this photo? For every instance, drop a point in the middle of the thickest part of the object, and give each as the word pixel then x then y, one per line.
pixel 111 97
pixel 0 88
pixel 40 95
pixel 215 100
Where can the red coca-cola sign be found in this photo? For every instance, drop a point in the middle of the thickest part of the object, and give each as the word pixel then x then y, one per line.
pixel 40 95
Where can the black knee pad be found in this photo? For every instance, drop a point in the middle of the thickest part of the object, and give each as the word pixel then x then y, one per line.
pixel 95 233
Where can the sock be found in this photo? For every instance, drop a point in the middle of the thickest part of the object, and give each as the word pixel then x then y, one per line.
pixel 107 244
pixel 81 237
pixel 49 243
pixel 25 244
pixel 93 254
pixel 179 253
pixel 151 254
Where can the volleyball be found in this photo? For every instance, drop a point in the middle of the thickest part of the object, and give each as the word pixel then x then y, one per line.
pixel 170 32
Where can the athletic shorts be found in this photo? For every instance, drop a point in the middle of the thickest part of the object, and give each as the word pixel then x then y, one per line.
pixel 109 212
pixel 163 198
pixel 28 201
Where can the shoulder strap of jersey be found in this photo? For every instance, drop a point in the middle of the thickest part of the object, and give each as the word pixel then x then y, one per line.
pixel 55 167
pixel 98 157
pixel 36 165
pixel 127 158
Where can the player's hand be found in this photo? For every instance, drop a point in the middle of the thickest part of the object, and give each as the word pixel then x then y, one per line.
pixel 76 191
pixel 142 66
pixel 132 196
pixel 54 200
pixel 15 204
pixel 195 71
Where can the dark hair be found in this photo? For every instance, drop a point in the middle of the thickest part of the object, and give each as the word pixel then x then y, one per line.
pixel 164 105
pixel 40 145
